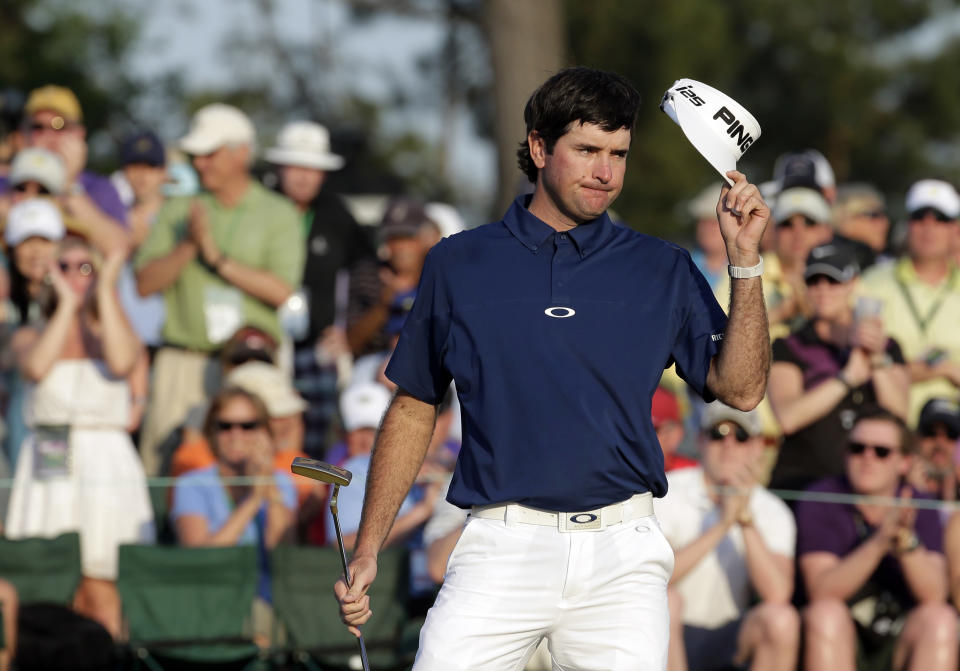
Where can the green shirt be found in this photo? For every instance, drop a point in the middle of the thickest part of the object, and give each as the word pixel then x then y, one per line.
pixel 263 231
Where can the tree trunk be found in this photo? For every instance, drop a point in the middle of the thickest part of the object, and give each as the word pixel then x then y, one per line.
pixel 527 46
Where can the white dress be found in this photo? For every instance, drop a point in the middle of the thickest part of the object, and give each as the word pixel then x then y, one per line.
pixel 102 492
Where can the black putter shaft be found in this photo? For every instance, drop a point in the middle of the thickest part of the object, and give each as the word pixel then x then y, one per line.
pixel 336 476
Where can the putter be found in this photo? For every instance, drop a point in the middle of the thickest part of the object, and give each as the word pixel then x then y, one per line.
pixel 336 476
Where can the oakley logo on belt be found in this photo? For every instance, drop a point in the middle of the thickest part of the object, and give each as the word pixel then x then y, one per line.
pixel 559 312
pixel 580 522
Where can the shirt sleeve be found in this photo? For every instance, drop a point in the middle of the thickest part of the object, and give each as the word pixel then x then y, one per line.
pixel 895 352
pixel 189 496
pixel 417 363
pixel 783 353
pixel 105 195
pixel 701 329
pixel 164 234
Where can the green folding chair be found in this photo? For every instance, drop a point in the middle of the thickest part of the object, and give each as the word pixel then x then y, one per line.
pixel 44 570
pixel 189 607
pixel 303 579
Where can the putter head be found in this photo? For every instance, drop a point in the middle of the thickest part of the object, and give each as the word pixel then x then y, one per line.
pixel 321 470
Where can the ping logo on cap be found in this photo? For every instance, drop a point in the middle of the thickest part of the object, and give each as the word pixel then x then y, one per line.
pixel 735 128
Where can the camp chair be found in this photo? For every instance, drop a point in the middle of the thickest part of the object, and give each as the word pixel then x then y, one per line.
pixel 303 579
pixel 188 607
pixel 44 570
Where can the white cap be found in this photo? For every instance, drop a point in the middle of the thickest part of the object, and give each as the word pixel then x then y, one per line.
pixel 36 217
pixel 34 164
pixel 215 126
pixel 934 193
pixel 305 144
pixel 716 413
pixel 363 404
pixel 801 200
pixel 446 217
pixel 271 385
pixel 718 126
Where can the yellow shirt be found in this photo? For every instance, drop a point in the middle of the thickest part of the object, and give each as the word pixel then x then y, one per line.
pixel 921 317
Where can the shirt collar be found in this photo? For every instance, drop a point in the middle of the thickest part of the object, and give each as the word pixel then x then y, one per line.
pixel 533 233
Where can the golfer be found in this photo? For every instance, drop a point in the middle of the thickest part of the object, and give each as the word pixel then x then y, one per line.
pixel 556 325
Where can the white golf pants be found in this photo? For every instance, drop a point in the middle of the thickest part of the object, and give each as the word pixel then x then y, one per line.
pixel 599 598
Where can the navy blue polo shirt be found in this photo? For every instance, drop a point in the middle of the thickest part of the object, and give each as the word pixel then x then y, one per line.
pixel 556 342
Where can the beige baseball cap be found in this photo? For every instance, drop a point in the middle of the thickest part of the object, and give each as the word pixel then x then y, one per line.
pixel 719 127
pixel 215 126
pixel 269 384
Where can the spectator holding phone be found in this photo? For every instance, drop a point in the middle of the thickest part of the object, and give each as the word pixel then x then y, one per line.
pixel 836 362
pixel 921 293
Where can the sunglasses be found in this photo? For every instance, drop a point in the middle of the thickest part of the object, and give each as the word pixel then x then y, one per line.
pixel 223 425
pixel 924 212
pixel 871 214
pixel 789 223
pixel 723 430
pixel 814 280
pixel 882 451
pixel 22 188
pixel 85 268
pixel 934 431
pixel 57 124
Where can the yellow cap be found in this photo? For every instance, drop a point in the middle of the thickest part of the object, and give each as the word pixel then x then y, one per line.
pixel 56 99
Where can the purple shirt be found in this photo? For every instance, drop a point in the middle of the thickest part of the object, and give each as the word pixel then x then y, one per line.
pixel 839 529
pixel 101 192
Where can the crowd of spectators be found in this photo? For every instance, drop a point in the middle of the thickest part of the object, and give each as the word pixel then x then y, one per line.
pixel 181 318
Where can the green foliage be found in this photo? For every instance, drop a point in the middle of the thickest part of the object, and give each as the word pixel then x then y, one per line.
pixel 81 45
pixel 836 75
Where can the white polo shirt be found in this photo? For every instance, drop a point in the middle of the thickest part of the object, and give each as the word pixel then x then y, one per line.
pixel 717 590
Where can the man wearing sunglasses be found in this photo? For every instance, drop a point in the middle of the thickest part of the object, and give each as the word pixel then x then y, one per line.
pixel 934 470
pixel 732 539
pixel 53 120
pixel 921 293
pixel 875 574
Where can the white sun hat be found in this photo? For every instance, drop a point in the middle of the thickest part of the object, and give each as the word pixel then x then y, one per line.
pixel 719 127
pixel 305 144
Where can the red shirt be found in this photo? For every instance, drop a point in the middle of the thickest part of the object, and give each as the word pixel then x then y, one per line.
pixel 678 461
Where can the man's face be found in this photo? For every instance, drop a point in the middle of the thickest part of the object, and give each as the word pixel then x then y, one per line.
pixel 222 166
pixel 937 444
pixel 868 223
pixel 728 450
pixel 584 173
pixel 406 255
pixel 299 184
pixel 797 235
pixel 875 463
pixel 360 441
pixel 46 129
pixel 146 180
pixel 931 235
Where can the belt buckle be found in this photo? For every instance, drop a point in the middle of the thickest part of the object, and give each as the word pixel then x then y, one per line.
pixel 589 520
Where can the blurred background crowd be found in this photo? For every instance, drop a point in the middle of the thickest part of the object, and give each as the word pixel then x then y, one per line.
pixel 201 282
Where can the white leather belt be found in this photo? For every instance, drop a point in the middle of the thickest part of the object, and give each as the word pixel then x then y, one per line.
pixel 637 506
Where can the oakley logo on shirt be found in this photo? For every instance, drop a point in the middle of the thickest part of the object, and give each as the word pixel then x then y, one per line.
pixel 559 312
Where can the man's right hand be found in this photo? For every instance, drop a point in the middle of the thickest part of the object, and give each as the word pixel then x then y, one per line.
pixel 354 602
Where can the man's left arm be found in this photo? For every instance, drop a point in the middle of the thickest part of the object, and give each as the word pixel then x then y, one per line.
pixel 738 373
